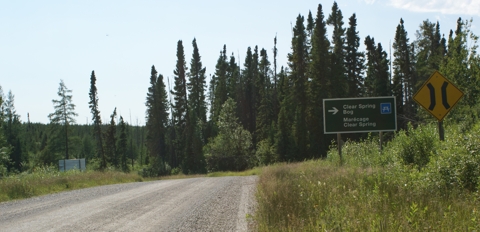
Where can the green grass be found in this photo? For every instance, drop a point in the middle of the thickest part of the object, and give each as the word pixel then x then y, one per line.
pixel 250 172
pixel 48 180
pixel 321 196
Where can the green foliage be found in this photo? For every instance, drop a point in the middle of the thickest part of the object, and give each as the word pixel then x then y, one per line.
pixel 320 196
pixel 47 179
pixel 64 113
pixel 457 161
pixel 231 149
pixel 415 146
pixel 266 153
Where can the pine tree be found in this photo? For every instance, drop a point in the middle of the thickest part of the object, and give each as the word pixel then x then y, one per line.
pixel 181 120
pixel 298 64
pixel 354 60
pixel 338 79
pixel 12 130
pixel 285 146
pixel 197 109
pixel 122 146
pixel 4 147
pixel 429 51
pixel 64 112
pixel 197 85
pixel 319 73
pixel 264 111
pixel 248 92
pixel 220 92
pixel 97 121
pixel 156 124
pixel 403 76
pixel 111 141
pixel 377 80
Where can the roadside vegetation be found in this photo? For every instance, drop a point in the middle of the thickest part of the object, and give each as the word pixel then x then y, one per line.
pixel 48 179
pixel 417 183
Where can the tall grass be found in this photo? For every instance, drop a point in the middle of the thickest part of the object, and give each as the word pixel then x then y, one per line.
pixel 48 180
pixel 319 196
pixel 415 184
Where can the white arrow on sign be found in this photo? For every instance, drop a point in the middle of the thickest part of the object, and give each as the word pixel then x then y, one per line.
pixel 334 111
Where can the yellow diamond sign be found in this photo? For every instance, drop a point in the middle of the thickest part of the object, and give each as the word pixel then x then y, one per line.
pixel 438 95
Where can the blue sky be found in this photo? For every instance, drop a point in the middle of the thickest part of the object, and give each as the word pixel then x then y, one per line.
pixel 42 42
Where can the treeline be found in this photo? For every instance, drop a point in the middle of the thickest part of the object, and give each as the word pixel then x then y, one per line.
pixel 257 114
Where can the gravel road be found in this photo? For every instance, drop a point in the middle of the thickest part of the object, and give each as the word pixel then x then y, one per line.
pixel 197 204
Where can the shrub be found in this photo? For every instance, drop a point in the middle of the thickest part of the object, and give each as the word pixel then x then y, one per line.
pixel 415 146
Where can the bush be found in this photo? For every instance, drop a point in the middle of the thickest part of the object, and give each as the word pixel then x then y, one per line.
pixel 458 161
pixel 266 153
pixel 231 149
pixel 415 146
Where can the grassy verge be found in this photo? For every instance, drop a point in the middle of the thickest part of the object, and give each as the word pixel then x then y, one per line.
pixel 320 196
pixel 251 172
pixel 46 181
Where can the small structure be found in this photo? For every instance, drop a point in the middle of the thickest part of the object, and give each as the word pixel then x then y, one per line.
pixel 65 165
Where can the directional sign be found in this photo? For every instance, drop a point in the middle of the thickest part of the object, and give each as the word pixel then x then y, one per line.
pixel 352 115
pixel 438 95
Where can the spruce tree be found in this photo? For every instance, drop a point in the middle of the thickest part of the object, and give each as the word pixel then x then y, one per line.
pixel 377 80
pixel 264 111
pixel 111 141
pixel 403 76
pixel 97 121
pixel 156 123
pixel 319 72
pixel 354 60
pixel 122 146
pixel 197 109
pixel 220 92
pixel 12 129
pixel 298 61
pixel 64 113
pixel 248 92
pixel 338 79
pixel 429 51
pixel 181 120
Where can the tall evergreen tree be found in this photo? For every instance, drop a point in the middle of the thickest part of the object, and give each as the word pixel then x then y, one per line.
pixel 111 141
pixel 220 83
pixel 377 80
pixel 197 85
pixel 298 61
pixel 197 109
pixel 64 112
pixel 284 143
pixel 403 76
pixel 97 121
pixel 122 146
pixel 156 123
pixel 181 120
pixel 265 115
pixel 338 78
pixel 319 72
pixel 429 51
pixel 248 92
pixel 12 130
pixel 354 60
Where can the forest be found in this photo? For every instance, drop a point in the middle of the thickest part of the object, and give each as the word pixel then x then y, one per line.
pixel 255 115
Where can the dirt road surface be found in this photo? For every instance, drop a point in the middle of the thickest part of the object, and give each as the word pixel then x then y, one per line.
pixel 197 204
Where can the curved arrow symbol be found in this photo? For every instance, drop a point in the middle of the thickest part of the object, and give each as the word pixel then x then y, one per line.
pixel 334 110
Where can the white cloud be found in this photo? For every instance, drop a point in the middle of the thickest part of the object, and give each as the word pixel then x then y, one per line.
pixel 468 7
pixel 369 1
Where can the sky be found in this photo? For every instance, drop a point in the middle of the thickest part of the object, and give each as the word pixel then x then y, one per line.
pixel 43 42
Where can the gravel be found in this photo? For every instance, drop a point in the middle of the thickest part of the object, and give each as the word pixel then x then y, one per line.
pixel 197 204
